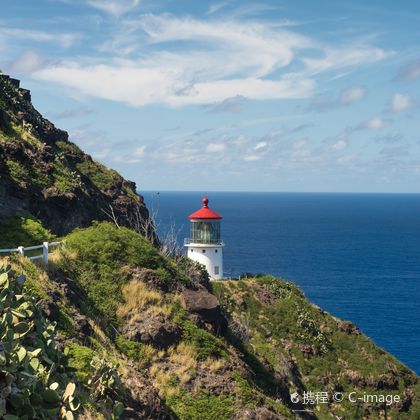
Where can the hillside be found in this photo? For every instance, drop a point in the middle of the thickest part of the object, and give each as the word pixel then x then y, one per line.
pixel 113 327
pixel 45 176
pixel 183 348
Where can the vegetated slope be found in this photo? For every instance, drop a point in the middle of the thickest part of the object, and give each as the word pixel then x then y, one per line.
pixel 309 350
pixel 35 379
pixel 47 177
pixel 182 353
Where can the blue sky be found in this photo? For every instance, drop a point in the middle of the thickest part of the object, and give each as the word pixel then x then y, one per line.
pixel 230 95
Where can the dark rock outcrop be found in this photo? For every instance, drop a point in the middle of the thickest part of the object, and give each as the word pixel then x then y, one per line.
pixel 153 329
pixel 44 175
pixel 207 307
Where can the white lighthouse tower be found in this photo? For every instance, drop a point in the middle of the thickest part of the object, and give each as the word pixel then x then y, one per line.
pixel 204 244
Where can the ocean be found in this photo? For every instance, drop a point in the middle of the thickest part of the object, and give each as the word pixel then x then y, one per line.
pixel 355 255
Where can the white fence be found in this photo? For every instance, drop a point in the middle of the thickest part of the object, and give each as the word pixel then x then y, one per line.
pixel 44 248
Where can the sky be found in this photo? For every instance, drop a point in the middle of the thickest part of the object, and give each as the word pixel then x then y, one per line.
pixel 228 95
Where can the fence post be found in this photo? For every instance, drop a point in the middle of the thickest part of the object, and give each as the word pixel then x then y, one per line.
pixel 21 250
pixel 45 252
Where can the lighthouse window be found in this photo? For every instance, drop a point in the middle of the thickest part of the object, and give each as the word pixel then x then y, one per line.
pixel 205 232
pixel 216 269
pixel 215 251
pixel 192 250
pixel 204 251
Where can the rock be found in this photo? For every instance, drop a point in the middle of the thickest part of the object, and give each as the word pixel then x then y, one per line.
pixel 153 329
pixel 347 327
pixel 87 191
pixel 207 306
pixel 83 328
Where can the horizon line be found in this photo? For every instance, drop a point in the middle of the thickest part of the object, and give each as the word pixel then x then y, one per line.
pixel 279 192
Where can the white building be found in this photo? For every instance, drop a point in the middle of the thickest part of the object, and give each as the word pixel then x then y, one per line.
pixel 204 244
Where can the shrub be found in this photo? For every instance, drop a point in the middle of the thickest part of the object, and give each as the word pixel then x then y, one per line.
pixel 17 171
pixel 203 406
pixel 205 344
pixel 22 231
pixel 102 252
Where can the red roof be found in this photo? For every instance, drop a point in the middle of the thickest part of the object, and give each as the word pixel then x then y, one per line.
pixel 205 212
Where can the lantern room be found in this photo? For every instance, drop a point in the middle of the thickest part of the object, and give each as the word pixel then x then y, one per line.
pixel 205 225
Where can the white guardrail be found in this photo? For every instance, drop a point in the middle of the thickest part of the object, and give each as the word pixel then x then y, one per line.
pixel 45 247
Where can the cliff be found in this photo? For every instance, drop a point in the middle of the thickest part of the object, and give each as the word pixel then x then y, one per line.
pixel 46 176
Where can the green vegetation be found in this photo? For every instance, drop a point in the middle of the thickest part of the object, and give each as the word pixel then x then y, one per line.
pixel 202 406
pixel 98 258
pixel 22 231
pixel 205 344
pixel 102 177
pixel 65 179
pixel 27 173
pixel 313 350
pixel 18 172
pixel 107 279
pixel 33 381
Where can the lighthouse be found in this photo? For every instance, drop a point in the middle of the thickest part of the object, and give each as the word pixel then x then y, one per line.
pixel 204 244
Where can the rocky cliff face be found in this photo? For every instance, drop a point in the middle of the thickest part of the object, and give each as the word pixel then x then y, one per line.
pixel 44 175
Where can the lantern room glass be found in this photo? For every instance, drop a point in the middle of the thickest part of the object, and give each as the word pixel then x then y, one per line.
pixel 205 232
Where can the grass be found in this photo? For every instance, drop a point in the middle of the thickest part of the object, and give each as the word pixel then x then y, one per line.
pixel 184 354
pixel 137 296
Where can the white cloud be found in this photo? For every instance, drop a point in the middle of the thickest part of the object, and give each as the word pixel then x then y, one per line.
pixel 261 145
pixel 340 144
pixel 234 104
pixel 374 123
pixel 352 95
pixel 400 102
pixel 214 61
pixel 101 154
pixel 139 86
pixel 274 134
pixel 28 62
pixel 139 152
pixel 215 147
pixel 346 160
pixel 113 7
pixel 216 7
pixel 64 39
pixel 252 158
pixel 347 96
pixel 347 56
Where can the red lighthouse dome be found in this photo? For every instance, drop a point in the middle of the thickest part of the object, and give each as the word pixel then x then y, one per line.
pixel 205 212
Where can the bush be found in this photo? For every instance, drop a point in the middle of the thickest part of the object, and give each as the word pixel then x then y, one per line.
pixel 201 407
pixel 205 344
pixel 97 257
pixel 22 231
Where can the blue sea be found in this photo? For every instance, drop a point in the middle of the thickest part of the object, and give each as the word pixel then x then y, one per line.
pixel 355 255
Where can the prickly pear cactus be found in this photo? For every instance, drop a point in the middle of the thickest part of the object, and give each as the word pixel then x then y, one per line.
pixel 33 381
